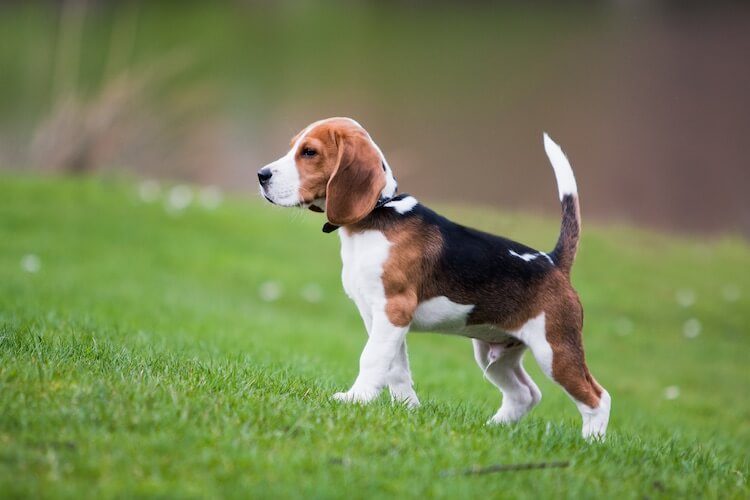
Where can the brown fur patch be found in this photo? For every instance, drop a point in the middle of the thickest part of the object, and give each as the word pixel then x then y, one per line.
pixel 564 326
pixel 406 273
pixel 346 170
pixel 570 230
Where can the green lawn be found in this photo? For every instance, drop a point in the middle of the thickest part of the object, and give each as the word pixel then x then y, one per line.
pixel 193 355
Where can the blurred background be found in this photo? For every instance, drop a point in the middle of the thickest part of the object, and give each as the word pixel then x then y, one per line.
pixel 648 98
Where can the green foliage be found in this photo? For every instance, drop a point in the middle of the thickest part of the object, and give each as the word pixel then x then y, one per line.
pixel 142 359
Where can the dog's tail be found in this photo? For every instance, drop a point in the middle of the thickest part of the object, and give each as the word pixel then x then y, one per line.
pixel 570 228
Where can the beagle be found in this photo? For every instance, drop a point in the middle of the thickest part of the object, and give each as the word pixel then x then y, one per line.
pixel 408 268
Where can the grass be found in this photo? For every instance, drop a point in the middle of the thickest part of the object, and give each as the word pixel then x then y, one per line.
pixel 144 358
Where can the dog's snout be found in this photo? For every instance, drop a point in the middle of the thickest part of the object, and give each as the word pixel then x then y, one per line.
pixel 264 174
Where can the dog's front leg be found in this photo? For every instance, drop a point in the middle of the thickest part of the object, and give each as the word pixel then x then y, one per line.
pixel 382 348
pixel 399 380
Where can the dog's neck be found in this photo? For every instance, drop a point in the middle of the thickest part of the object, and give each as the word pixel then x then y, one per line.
pixel 329 228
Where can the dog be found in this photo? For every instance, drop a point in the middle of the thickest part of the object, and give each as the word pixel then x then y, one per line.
pixel 408 268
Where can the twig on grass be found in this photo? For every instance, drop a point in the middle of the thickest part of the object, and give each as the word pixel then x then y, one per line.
pixel 476 471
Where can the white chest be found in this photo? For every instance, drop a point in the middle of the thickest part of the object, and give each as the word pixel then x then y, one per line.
pixel 363 256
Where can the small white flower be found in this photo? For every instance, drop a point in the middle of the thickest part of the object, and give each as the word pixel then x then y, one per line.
pixel 312 293
pixel 270 291
pixel 671 392
pixel 691 328
pixel 149 191
pixel 624 326
pixel 210 197
pixel 685 297
pixel 731 293
pixel 179 198
pixel 31 263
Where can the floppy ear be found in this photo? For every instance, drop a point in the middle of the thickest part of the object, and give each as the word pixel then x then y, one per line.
pixel 357 181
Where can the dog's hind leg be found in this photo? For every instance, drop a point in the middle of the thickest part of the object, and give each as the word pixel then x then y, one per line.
pixel 503 367
pixel 570 371
pixel 558 348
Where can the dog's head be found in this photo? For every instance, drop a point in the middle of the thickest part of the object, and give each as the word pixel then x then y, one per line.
pixel 333 166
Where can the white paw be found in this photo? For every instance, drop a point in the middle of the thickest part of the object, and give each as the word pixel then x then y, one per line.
pixel 408 399
pixel 504 418
pixel 594 428
pixel 595 420
pixel 511 412
pixel 355 396
pixel 591 434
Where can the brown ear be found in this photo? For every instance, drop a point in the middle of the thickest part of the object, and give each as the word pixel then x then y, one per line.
pixel 357 180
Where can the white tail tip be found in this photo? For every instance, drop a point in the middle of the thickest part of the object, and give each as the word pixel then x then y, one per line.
pixel 566 182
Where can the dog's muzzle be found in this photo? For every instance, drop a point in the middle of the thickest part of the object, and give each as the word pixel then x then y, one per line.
pixel 264 176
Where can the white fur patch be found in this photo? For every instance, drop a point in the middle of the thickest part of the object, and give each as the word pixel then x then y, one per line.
pixel 390 181
pixel 528 257
pixel 595 420
pixel 441 314
pixel 363 256
pixel 403 206
pixel 566 181
pixel 283 188
pixel 534 335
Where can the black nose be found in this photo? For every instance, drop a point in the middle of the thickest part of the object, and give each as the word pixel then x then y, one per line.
pixel 263 175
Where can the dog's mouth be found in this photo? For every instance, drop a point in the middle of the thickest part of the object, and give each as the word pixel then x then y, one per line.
pixel 264 195
pixel 300 204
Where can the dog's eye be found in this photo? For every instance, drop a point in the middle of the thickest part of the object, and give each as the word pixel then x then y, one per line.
pixel 309 153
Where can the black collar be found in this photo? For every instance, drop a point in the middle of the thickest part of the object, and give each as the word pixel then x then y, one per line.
pixel 329 228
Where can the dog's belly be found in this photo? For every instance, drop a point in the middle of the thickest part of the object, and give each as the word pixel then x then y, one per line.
pixel 442 315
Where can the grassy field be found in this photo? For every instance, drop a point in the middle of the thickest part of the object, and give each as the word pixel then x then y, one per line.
pixel 192 354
